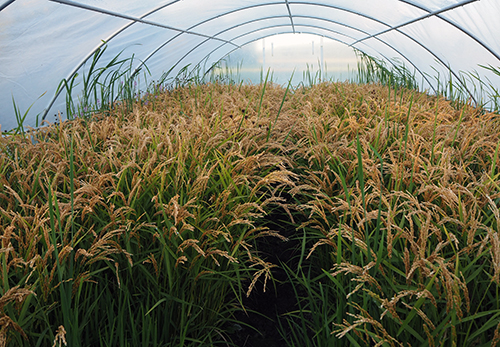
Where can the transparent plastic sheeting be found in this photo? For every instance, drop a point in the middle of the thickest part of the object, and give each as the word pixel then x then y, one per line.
pixel 45 41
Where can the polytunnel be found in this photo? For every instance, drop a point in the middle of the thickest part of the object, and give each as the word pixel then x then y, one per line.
pixel 167 179
pixel 44 42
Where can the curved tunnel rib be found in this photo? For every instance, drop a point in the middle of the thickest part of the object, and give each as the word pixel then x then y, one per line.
pixel 92 52
pixel 364 16
pixel 289 4
pixel 310 17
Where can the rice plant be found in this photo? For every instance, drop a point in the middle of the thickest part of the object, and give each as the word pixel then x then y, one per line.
pixel 404 211
pixel 153 221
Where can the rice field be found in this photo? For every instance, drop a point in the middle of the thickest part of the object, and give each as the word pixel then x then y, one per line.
pixel 158 224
